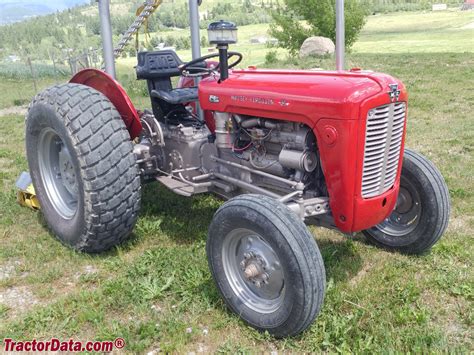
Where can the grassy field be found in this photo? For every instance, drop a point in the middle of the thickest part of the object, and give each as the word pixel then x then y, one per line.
pixel 418 32
pixel 376 301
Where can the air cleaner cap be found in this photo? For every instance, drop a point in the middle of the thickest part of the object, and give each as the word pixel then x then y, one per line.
pixel 222 32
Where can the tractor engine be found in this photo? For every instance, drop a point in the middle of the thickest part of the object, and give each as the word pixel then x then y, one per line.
pixel 284 153
pixel 283 149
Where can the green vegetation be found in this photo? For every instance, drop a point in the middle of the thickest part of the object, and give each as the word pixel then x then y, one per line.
pixel 20 71
pixel 70 33
pixel 156 291
pixel 319 20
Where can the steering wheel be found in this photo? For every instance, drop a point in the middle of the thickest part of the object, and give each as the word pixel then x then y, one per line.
pixel 189 69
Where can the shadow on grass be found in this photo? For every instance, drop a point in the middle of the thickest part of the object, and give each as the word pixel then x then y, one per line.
pixel 185 220
pixel 341 259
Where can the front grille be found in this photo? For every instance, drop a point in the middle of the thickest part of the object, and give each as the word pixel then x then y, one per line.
pixel 383 142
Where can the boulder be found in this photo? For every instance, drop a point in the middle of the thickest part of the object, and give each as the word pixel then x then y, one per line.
pixel 317 46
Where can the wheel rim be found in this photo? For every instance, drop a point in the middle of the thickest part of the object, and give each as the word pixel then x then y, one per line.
pixel 254 270
pixel 57 173
pixel 406 216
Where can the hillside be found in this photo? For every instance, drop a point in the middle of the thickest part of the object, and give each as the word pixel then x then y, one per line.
pixel 19 10
pixel 73 31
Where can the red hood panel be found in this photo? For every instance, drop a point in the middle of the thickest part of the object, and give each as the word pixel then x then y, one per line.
pixel 305 96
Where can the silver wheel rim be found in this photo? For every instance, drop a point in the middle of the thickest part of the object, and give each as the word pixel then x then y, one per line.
pixel 406 216
pixel 253 270
pixel 57 173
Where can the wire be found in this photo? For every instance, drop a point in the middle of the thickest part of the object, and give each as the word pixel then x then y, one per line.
pixel 260 139
pixel 234 149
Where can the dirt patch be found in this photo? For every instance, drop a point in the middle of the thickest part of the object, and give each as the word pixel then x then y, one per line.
pixel 86 271
pixel 9 269
pixel 18 299
pixel 70 283
pixel 14 110
pixel 361 274
pixel 460 224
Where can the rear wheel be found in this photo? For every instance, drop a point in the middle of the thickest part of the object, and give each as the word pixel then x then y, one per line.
pixel 266 265
pixel 422 212
pixel 82 166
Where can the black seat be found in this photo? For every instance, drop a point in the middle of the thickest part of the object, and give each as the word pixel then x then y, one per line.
pixel 158 65
pixel 157 68
pixel 176 96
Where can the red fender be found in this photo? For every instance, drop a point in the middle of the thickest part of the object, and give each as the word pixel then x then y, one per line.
pixel 108 86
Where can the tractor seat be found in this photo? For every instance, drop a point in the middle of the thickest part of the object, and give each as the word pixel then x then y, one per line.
pixel 176 96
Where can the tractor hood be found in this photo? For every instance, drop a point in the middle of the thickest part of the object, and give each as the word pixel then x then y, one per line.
pixel 335 106
pixel 303 96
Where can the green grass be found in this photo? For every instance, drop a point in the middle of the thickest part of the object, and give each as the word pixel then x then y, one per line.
pixel 15 92
pixel 155 287
pixel 418 32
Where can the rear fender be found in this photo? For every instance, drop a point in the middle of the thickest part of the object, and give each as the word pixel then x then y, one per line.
pixel 108 86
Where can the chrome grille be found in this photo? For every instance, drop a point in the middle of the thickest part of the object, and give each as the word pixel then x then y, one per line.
pixel 383 141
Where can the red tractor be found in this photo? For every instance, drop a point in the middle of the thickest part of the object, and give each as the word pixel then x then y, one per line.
pixel 284 148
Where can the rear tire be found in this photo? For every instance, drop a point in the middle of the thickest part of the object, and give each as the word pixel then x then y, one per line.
pixel 266 264
pixel 422 212
pixel 83 168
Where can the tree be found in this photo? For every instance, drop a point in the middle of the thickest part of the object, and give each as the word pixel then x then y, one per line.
pixel 320 16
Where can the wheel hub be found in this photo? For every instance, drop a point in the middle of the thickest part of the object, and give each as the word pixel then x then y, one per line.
pixel 404 201
pixel 253 270
pixel 57 172
pixel 66 170
pixel 406 215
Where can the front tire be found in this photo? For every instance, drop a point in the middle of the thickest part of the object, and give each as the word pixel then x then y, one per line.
pixel 83 168
pixel 422 212
pixel 266 264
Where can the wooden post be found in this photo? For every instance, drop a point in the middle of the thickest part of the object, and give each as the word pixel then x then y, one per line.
pixel 51 54
pixel 70 62
pixel 32 73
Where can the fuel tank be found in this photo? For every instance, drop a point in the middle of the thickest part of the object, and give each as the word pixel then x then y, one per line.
pixel 335 105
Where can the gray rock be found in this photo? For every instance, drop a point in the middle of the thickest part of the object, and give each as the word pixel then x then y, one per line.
pixel 317 46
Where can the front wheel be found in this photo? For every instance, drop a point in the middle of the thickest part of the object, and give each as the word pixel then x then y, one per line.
pixel 266 264
pixel 422 212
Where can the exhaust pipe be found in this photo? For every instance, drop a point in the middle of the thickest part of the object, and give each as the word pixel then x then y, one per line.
pixel 106 35
pixel 340 35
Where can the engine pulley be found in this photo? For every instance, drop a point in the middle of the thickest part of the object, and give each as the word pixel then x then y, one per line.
pixel 293 159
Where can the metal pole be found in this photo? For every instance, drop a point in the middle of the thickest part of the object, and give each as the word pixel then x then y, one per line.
pixel 340 35
pixel 194 24
pixel 195 43
pixel 106 34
